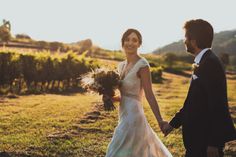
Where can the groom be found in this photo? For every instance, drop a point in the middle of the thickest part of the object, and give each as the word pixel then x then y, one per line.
pixel 204 117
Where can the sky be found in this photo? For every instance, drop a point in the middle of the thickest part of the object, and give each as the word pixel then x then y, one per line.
pixel 104 21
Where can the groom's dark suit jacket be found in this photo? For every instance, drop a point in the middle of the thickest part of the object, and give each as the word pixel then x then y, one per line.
pixel 205 117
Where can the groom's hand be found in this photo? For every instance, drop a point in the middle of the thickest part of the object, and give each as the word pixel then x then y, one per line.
pixel 212 151
pixel 162 124
pixel 167 128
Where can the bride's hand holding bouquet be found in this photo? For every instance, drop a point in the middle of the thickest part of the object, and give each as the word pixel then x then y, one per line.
pixel 104 82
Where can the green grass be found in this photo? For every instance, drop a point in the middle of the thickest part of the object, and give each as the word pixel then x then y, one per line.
pixel 60 125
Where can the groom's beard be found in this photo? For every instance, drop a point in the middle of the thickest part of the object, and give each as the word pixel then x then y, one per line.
pixel 189 48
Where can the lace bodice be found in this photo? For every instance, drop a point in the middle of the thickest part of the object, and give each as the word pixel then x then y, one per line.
pixel 131 83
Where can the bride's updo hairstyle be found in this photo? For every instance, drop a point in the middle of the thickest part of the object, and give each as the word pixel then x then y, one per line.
pixel 128 32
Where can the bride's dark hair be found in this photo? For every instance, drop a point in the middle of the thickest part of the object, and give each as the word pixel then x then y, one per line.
pixel 128 32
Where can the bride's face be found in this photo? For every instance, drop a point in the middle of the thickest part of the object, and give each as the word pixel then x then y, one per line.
pixel 131 43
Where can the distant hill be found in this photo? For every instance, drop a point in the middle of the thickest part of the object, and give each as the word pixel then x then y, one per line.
pixel 224 41
pixel 18 42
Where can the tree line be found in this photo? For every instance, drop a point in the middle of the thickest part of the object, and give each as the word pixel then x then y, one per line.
pixel 42 71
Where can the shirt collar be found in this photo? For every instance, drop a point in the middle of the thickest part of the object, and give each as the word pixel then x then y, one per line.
pixel 199 56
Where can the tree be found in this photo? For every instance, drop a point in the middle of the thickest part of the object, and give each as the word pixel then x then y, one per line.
pixel 5 59
pixel 29 69
pixel 23 36
pixel 55 46
pixel 5 31
pixel 7 24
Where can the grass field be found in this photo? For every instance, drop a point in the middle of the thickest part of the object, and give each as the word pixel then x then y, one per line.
pixel 75 125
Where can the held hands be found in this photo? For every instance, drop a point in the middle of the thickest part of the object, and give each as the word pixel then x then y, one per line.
pixel 166 128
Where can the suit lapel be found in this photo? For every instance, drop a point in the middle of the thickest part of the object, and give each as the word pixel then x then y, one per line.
pixel 203 59
pixel 196 71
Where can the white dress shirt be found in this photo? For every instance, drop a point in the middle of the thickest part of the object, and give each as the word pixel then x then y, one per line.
pixel 199 56
pixel 197 61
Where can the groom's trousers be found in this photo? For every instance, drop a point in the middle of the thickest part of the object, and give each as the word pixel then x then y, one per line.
pixel 202 152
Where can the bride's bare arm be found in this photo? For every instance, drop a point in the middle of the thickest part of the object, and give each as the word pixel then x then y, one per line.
pixel 145 75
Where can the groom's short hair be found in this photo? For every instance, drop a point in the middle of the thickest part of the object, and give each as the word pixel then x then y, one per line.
pixel 201 31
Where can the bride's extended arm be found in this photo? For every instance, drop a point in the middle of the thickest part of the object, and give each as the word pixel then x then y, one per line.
pixel 145 75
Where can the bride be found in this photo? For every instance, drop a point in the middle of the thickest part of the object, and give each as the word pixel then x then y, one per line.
pixel 133 137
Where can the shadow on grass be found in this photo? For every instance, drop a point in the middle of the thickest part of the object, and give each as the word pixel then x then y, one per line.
pixel 13 154
pixel 69 91
pixel 66 92
pixel 231 76
pixel 32 153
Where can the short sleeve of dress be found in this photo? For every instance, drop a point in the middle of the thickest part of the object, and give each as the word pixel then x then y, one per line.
pixel 143 63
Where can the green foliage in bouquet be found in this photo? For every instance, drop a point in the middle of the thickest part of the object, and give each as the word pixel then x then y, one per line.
pixel 104 82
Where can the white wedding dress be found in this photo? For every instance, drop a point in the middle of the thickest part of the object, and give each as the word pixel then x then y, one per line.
pixel 133 137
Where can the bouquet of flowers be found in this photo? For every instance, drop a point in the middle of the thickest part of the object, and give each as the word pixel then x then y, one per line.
pixel 104 82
